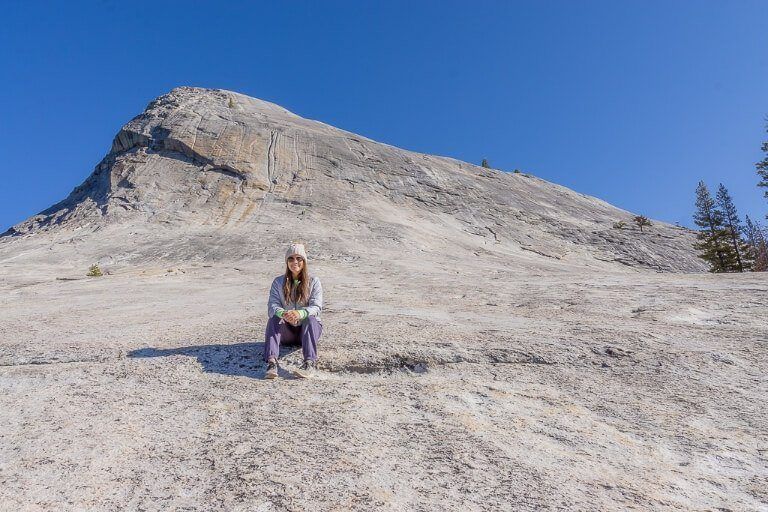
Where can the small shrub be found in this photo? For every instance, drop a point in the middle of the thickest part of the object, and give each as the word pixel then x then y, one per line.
pixel 485 164
pixel 516 171
pixel 619 225
pixel 94 271
pixel 231 103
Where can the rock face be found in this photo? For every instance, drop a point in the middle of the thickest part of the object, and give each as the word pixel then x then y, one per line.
pixel 490 341
pixel 216 164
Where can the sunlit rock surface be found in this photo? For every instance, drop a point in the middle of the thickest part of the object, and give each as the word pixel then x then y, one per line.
pixel 491 342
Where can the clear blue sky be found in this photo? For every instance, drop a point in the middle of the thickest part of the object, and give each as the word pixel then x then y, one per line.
pixel 630 101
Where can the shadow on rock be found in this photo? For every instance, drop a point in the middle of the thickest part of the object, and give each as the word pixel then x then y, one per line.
pixel 238 359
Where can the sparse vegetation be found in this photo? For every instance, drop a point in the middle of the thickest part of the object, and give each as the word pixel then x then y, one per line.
pixel 94 271
pixel 713 237
pixel 762 168
pixel 757 245
pixel 619 225
pixel 231 103
pixel 516 171
pixel 485 164
pixel 732 226
pixel 642 221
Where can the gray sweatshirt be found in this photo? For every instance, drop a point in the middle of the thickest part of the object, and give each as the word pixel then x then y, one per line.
pixel 277 301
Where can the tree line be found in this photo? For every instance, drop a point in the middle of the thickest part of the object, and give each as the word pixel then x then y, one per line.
pixel 723 241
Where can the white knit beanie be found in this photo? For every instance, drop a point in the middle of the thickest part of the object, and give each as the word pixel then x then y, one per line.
pixel 296 248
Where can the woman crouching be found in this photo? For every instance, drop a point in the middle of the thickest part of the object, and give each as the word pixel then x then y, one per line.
pixel 295 301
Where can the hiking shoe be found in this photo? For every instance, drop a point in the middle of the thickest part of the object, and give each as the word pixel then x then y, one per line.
pixel 306 370
pixel 271 370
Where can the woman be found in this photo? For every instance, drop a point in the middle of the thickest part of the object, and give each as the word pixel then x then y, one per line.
pixel 295 301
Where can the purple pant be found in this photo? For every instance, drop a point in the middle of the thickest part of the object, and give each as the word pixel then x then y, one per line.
pixel 308 333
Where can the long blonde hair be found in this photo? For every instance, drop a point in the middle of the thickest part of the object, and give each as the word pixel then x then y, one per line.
pixel 298 294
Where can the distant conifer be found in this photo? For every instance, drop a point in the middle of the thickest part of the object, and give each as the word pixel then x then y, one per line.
pixel 712 242
pixel 758 245
pixel 485 164
pixel 762 168
pixel 642 220
pixel 732 226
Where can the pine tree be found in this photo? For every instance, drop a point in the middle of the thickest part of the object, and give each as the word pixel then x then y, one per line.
pixel 711 238
pixel 642 220
pixel 485 164
pixel 758 245
pixel 762 168
pixel 732 225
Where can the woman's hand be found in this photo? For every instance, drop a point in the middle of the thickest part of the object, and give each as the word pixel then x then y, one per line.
pixel 293 317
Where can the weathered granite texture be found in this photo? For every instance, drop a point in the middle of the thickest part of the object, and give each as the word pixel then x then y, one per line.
pixel 224 162
pixel 491 343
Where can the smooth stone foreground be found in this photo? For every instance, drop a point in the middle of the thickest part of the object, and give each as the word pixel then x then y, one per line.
pixel 142 390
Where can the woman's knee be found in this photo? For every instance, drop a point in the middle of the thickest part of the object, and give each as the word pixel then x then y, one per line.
pixel 273 326
pixel 314 325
